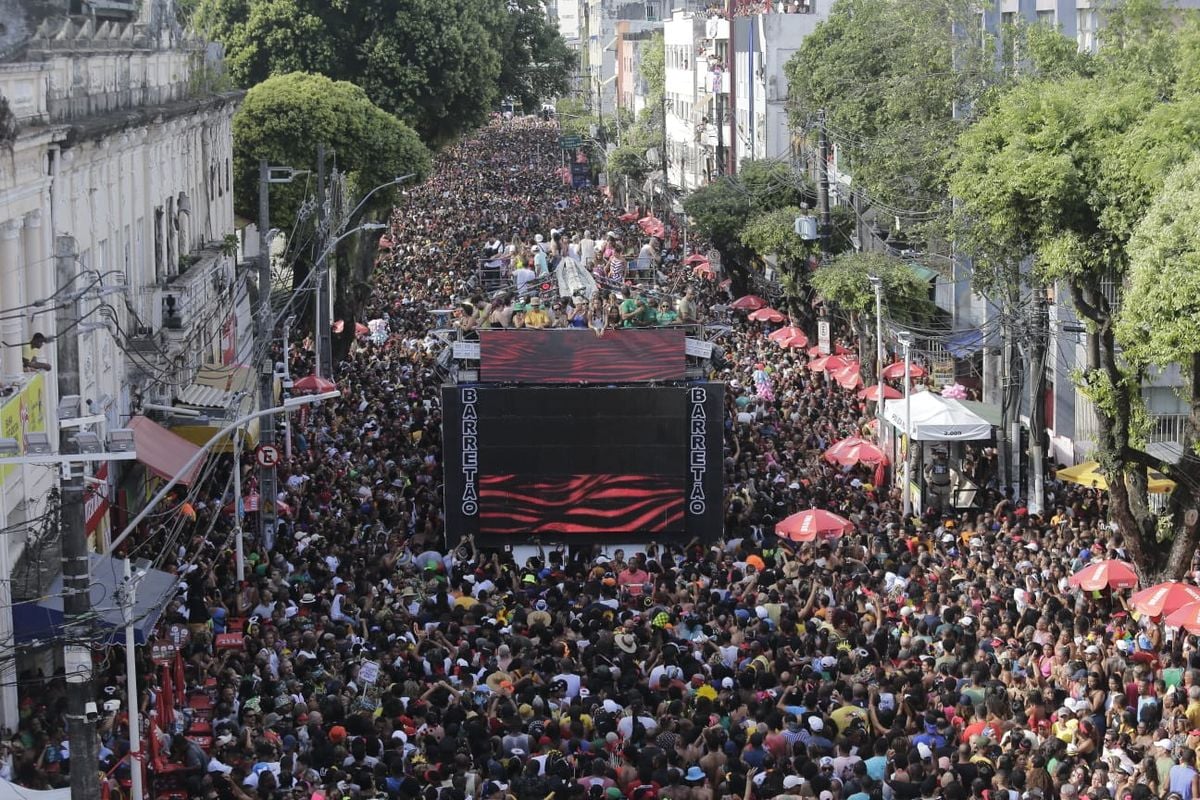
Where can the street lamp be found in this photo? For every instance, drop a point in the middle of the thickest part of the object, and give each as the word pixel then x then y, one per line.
pixel 905 338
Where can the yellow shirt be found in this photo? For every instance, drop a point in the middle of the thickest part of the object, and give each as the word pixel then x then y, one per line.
pixel 536 318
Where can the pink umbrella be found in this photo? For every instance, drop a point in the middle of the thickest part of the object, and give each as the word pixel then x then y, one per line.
pixel 872 392
pixel 766 315
pixel 1186 617
pixel 1164 598
pixel 1107 574
pixel 855 450
pixel 311 384
pixel 628 216
pixel 895 371
pixel 848 377
pixel 361 329
pixel 695 258
pixel 806 526
pixel 799 340
pixel 749 302
pixel 704 270
pixel 786 332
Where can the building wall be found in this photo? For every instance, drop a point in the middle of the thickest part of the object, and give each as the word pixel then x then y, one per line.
pixel 121 147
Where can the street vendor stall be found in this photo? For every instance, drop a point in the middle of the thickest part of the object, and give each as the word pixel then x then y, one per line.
pixel 938 426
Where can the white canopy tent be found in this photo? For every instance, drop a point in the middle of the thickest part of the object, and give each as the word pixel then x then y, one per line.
pixel 936 419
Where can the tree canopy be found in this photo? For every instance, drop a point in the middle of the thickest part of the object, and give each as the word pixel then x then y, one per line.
pixel 284 118
pixel 439 66
pixel 1080 165
pixel 887 74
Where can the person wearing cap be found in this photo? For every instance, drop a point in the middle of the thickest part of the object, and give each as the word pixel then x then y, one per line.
pixel 536 317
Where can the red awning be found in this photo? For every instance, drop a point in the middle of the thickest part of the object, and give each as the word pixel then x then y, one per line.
pixel 164 453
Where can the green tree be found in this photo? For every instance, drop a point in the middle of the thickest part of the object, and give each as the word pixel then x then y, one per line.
pixel 439 66
pixel 845 283
pixel 772 233
pixel 1065 170
pixel 284 118
pixel 887 74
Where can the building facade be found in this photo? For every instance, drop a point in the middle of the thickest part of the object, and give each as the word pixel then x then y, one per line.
pixel 120 140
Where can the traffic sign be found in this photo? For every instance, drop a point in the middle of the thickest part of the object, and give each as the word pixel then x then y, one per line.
pixel 570 142
pixel 266 455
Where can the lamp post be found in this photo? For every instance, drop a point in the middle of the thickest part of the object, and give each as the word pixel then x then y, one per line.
pixel 288 405
pixel 877 285
pixel 905 338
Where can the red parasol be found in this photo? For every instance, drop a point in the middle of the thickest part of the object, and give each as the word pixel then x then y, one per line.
pixel 361 329
pixel 848 377
pixel 895 371
pixel 872 392
pixel 652 226
pixel 766 315
pixel 749 302
pixel 855 450
pixel 1163 598
pixel 799 340
pixel 806 526
pixel 1107 574
pixel 695 258
pixel 1186 617
pixel 705 271
pixel 828 363
pixel 311 384
pixel 786 332
pixel 628 216
pixel 838 350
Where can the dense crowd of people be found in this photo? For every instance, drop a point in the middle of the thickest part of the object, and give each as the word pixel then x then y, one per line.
pixel 938 656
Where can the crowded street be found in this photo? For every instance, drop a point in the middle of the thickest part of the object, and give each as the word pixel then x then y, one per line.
pixel 941 655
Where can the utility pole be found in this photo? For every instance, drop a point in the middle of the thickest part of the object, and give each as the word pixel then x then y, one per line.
pixel 324 337
pixel 666 201
pixel 877 285
pixel 731 54
pixel 77 605
pixel 823 186
pixel 1004 457
pixel 1039 332
pixel 266 384
pixel 127 594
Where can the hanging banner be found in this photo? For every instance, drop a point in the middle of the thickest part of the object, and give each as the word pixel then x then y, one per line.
pixel 95 509
pixel 25 412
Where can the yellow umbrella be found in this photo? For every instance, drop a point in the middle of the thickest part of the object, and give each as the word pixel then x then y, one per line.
pixel 1088 474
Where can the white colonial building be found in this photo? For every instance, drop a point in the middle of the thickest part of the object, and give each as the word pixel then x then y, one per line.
pixel 114 134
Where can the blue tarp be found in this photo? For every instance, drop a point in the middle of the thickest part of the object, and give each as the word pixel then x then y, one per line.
pixel 42 620
pixel 963 343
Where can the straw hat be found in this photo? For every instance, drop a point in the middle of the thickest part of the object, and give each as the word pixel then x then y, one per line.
pixel 626 641
pixel 496 680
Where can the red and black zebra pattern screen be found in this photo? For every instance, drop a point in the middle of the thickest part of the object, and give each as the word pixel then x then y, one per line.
pixel 620 355
pixel 583 463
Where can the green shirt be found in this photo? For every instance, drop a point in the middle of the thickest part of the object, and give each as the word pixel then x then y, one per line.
pixel 628 306
pixel 666 316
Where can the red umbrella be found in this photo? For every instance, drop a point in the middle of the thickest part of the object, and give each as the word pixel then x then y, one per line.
pixel 895 371
pixel 705 270
pixel 806 526
pixel 766 315
pixel 848 377
pixel 361 329
pixel 166 698
pixel 628 216
pixel 799 340
pixel 828 363
pixel 748 302
pixel 1163 598
pixel 872 392
pixel 311 384
pixel 695 258
pixel 1107 574
pixel 652 226
pixel 786 332
pixel 855 450
pixel 838 350
pixel 1186 617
